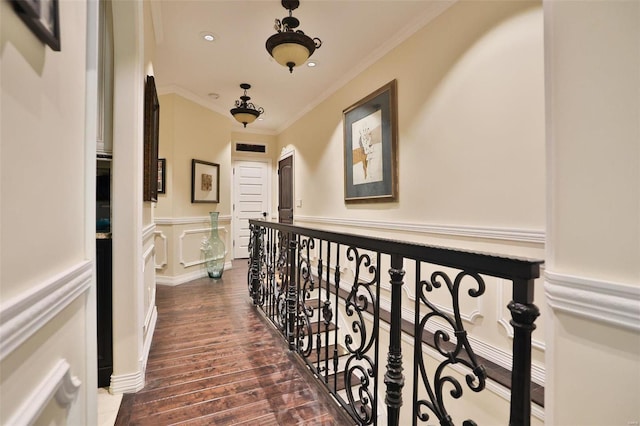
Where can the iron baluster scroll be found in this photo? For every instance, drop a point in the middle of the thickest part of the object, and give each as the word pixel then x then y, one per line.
pixel 362 341
pixel 459 352
pixel 322 291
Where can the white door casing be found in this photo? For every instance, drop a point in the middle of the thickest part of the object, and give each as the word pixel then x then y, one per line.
pixel 251 185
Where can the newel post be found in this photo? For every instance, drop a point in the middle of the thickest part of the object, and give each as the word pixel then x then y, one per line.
pixel 292 293
pixel 393 378
pixel 523 314
pixel 255 264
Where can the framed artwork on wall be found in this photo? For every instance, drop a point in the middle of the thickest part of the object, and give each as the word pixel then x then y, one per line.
pixel 42 17
pixel 151 132
pixel 370 147
pixel 205 182
pixel 162 165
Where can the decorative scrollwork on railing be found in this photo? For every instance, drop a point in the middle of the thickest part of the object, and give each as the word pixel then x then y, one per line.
pixel 459 352
pixel 307 286
pixel 281 280
pixel 360 370
pixel 256 275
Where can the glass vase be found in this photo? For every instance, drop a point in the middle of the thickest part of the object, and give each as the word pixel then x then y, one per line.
pixel 214 250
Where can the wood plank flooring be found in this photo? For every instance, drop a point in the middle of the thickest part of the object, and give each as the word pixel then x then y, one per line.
pixel 215 361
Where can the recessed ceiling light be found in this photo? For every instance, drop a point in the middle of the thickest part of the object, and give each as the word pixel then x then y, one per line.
pixel 312 64
pixel 208 36
pixel 213 95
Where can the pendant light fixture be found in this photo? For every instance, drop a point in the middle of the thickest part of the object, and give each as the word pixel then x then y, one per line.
pixel 291 47
pixel 245 112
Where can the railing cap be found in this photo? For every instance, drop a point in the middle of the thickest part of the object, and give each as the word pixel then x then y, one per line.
pixel 508 267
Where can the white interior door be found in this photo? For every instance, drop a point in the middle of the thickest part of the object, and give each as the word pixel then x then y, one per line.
pixel 251 200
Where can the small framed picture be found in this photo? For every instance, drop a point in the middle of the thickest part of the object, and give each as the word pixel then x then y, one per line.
pixel 205 182
pixel 42 17
pixel 370 147
pixel 162 165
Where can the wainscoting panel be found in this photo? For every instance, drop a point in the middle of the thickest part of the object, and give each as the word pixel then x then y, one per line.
pixel 59 384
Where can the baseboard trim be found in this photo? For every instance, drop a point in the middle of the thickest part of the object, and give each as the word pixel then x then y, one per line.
pixel 607 302
pixel 184 278
pixel 126 383
pixel 22 316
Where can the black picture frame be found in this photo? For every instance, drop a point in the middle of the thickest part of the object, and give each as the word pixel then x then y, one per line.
pixel 151 135
pixel 205 182
pixel 370 147
pixel 43 19
pixel 162 166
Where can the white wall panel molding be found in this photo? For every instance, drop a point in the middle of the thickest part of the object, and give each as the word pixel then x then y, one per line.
pixel 165 249
pixel 607 302
pixel 127 383
pixel 148 232
pixel 184 278
pixel 169 221
pixel 147 255
pixel 59 383
pixel 181 244
pixel 504 234
pixel 149 328
pixel 22 316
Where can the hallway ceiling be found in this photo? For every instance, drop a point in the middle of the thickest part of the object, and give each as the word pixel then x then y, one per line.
pixel 354 34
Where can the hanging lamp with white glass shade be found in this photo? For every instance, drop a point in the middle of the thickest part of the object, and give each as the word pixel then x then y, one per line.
pixel 291 47
pixel 246 112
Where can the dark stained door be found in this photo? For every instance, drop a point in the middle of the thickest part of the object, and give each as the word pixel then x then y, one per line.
pixel 285 190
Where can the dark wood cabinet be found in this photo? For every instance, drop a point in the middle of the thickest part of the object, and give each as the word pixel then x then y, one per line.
pixel 105 311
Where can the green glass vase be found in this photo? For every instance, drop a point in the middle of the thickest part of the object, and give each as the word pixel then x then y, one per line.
pixel 214 250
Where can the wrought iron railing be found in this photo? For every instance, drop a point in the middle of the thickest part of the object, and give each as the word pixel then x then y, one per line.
pixel 326 293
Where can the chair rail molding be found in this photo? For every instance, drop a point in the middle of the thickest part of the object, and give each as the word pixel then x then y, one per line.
pixel 607 302
pixel 169 221
pixel 489 233
pixel 59 383
pixel 23 315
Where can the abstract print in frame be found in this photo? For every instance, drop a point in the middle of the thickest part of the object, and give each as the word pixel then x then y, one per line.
pixel 370 147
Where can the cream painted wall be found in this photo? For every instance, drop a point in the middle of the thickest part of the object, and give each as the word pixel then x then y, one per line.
pixel 592 55
pixel 190 131
pixel 47 229
pixel 198 133
pixel 471 124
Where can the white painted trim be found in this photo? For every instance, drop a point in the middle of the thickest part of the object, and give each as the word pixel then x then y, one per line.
pixel 169 221
pixel 150 327
pixel 195 231
pixel 185 278
pixel 165 247
pixel 22 316
pixel 610 303
pixel 126 383
pixel 146 255
pixel 504 234
pixel 59 383
pixel 148 231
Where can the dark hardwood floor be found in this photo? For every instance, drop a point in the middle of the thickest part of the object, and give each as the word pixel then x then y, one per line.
pixel 215 361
